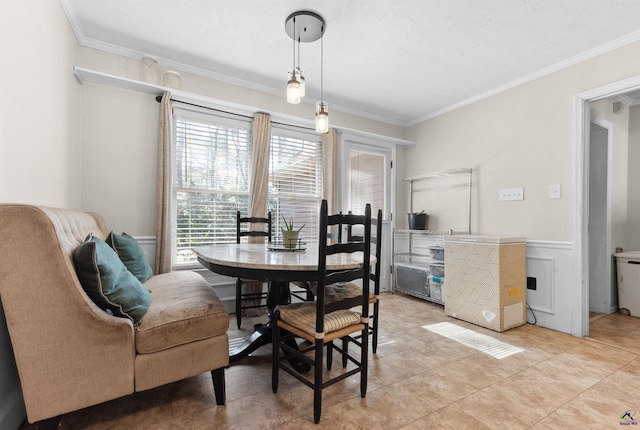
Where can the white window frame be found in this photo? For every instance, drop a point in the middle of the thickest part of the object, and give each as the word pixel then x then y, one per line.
pixel 208 116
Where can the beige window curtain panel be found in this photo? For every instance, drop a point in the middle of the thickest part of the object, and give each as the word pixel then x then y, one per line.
pixel 163 192
pixel 258 194
pixel 330 170
pixel 260 167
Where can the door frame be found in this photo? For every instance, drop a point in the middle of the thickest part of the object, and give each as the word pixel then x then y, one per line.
pixel 347 142
pixel 580 257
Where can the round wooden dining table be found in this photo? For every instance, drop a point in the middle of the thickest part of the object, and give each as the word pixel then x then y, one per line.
pixel 275 265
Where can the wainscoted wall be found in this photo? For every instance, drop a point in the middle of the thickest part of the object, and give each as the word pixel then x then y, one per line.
pixel 148 245
pixel 549 262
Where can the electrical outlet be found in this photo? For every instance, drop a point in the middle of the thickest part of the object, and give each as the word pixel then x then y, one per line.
pixel 510 194
pixel 554 191
pixel 531 283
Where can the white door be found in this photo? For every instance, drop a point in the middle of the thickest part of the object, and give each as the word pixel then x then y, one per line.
pixel 367 170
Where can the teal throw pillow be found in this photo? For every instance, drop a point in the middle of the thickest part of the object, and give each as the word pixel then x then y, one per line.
pixel 131 254
pixel 108 282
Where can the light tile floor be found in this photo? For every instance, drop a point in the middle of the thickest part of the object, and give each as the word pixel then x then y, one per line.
pixel 417 380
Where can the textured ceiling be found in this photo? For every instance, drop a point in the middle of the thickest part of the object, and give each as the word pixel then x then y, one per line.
pixel 397 61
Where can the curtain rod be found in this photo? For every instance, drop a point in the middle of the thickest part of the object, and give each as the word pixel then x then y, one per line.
pixel 295 126
pixel 159 99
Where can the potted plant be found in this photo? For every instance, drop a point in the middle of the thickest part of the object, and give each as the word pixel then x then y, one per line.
pixel 417 220
pixel 290 234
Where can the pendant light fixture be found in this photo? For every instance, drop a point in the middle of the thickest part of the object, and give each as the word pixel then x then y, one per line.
pixel 322 107
pixel 305 26
pixel 294 87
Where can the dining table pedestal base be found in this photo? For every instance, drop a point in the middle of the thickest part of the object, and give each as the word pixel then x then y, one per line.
pixel 278 294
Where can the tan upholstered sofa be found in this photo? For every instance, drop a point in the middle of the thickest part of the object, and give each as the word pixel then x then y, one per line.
pixel 72 354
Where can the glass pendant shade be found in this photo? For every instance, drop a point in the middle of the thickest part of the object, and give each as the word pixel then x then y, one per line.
pixel 302 85
pixel 294 88
pixel 322 117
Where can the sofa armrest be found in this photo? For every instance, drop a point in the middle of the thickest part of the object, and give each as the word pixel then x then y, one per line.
pixel 70 354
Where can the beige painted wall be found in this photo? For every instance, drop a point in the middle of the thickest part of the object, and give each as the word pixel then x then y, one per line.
pixel 518 138
pixel 40 152
pixel 120 138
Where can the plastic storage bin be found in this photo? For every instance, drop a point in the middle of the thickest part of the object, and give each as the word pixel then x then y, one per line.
pixel 437 252
pixel 437 269
pixel 628 265
pixel 436 287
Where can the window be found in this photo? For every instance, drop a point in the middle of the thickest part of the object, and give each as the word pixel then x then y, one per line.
pixel 212 174
pixel 212 156
pixel 295 181
pixel 367 184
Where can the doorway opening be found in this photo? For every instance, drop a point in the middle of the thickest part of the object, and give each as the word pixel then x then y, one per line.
pixel 582 253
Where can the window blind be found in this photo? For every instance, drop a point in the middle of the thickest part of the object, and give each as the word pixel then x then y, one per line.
pixel 295 181
pixel 212 174
pixel 367 181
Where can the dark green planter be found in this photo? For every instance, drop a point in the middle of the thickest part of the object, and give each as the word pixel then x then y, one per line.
pixel 417 221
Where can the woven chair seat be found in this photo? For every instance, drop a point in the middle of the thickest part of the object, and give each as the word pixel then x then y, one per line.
pixel 303 316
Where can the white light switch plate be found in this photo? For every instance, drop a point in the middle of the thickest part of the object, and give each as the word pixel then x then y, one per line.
pixel 554 191
pixel 510 194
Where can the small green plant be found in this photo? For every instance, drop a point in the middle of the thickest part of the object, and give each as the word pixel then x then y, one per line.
pixel 288 226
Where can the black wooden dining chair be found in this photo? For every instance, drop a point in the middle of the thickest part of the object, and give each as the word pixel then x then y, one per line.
pixel 323 321
pixel 374 277
pixel 255 295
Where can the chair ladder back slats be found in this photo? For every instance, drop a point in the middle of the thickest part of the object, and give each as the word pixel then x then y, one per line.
pixel 344 276
pixel 265 232
pixel 345 248
pixel 256 297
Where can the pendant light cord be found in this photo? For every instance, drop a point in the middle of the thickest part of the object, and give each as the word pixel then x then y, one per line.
pixel 299 54
pixel 294 45
pixel 322 68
